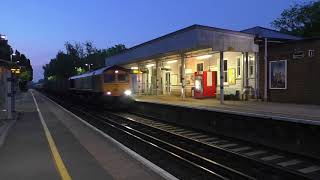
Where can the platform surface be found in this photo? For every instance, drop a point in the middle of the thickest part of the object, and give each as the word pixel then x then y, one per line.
pixel 309 113
pixel 86 154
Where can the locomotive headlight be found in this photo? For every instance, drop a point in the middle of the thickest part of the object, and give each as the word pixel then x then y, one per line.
pixel 127 92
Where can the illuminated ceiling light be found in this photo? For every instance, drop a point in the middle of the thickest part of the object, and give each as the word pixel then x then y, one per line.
pixel 150 65
pixel 116 71
pixel 134 68
pixel 171 62
pixel 204 56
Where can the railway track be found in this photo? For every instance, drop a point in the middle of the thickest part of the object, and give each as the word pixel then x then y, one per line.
pixel 182 152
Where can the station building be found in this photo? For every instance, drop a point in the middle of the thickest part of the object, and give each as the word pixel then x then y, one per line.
pixel 192 62
pixel 169 65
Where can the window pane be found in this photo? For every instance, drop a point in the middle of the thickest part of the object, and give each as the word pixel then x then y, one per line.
pixel 109 78
pixel 251 70
pixel 200 67
pixel 123 77
pixel 225 76
pixel 225 65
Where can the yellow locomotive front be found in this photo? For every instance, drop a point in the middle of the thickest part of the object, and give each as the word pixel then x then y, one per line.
pixel 116 83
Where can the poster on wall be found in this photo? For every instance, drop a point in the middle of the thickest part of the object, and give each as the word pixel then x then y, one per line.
pixel 232 76
pixel 278 74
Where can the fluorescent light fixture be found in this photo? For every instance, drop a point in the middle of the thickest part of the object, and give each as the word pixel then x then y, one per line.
pixel 171 62
pixel 204 56
pixel 134 68
pixel 150 65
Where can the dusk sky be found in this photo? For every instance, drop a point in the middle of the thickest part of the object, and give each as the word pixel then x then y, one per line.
pixel 39 29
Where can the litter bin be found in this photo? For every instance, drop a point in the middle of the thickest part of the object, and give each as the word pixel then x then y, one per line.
pixel 192 92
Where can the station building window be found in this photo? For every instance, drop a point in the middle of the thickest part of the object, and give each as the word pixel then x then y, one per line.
pixel 311 53
pixel 251 66
pixel 238 67
pixel 199 67
pixel 225 70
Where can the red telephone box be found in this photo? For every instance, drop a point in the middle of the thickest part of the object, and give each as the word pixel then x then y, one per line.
pixel 205 84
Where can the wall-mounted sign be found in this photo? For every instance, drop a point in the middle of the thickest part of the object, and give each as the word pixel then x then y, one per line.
pixel 278 74
pixel 298 55
pixel 231 76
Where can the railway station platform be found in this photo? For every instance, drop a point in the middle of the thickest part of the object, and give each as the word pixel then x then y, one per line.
pixel 49 142
pixel 295 112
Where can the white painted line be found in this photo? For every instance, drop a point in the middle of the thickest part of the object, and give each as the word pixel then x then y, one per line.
pixel 289 163
pixel 270 158
pixel 144 161
pixel 228 145
pixel 240 149
pixel 309 169
pixel 255 153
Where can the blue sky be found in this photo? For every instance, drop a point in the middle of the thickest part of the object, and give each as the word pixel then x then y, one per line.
pixel 40 28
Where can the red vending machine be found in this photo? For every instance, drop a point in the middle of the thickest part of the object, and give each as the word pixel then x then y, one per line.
pixel 205 84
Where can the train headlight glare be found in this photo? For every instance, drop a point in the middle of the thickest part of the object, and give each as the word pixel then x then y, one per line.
pixel 127 92
pixel 108 93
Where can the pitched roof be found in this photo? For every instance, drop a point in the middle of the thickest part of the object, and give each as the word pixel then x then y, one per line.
pixel 262 32
pixel 190 38
pixel 97 72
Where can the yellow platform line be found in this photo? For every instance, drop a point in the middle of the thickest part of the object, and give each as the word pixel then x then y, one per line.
pixel 55 153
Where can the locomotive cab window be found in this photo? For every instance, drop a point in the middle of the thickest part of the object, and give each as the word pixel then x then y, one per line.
pixel 109 78
pixel 123 77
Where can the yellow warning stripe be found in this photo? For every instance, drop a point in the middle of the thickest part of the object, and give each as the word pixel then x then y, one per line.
pixel 55 153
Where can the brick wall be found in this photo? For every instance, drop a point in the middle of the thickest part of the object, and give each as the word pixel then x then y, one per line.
pixel 303 75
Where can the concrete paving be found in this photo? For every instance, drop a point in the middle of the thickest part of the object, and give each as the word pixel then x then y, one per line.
pixel 85 153
pixel 300 111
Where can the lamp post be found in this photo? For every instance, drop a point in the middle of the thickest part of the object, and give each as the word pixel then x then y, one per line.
pixel 89 65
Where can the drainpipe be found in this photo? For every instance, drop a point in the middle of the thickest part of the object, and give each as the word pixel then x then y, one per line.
pixel 257 75
pixel 265 69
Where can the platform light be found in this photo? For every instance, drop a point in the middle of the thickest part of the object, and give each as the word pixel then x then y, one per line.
pixel 204 56
pixel 127 92
pixel 150 65
pixel 116 71
pixel 171 62
pixel 3 37
pixel 134 68
pixel 109 93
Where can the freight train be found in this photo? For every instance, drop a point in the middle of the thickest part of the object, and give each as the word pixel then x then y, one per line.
pixel 106 85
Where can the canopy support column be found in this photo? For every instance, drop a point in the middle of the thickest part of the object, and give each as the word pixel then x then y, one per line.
pixel 221 78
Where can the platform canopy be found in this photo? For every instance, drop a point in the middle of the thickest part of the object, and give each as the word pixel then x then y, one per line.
pixel 192 38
